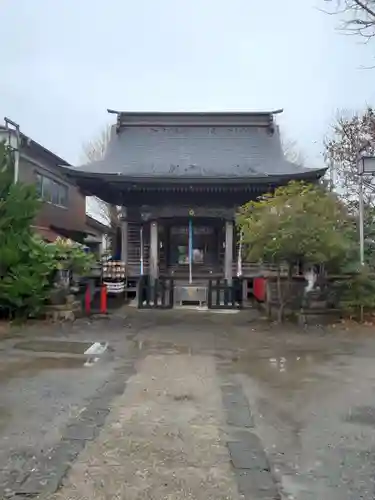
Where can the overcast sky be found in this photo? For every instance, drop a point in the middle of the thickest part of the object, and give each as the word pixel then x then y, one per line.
pixel 64 62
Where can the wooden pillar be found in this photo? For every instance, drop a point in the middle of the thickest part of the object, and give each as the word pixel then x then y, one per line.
pixel 228 260
pixel 154 247
pixel 124 237
pixel 167 247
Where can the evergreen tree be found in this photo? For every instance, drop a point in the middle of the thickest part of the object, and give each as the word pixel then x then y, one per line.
pixel 26 264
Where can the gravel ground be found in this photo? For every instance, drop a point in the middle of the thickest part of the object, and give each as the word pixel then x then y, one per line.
pixel 189 405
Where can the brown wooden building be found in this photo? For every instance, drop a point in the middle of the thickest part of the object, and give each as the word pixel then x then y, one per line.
pixel 180 178
pixel 63 209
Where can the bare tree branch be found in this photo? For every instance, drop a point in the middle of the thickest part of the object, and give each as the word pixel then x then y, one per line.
pixel 365 6
pixel 292 152
pixel 94 150
pixel 352 135
pixel 358 16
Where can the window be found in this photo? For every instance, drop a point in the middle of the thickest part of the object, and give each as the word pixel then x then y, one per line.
pixel 52 191
pixel 63 195
pixel 39 187
pixel 47 189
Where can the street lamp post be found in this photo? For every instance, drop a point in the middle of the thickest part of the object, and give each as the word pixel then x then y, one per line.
pixel 366 166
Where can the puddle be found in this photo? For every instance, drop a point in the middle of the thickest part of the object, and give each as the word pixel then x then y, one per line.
pixel 95 351
pixel 82 354
pixel 59 346
pixel 162 347
pixel 290 370
pixel 31 367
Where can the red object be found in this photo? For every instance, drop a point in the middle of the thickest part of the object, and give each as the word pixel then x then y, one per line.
pixel 87 300
pixel 259 289
pixel 103 299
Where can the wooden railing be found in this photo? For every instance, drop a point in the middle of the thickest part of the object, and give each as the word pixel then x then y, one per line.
pixel 198 270
pixel 250 269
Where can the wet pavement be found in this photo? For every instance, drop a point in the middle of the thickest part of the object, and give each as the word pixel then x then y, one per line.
pixel 186 404
pixel 46 383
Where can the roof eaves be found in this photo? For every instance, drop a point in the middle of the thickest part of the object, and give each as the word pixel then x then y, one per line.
pixel 94 223
pixel 33 145
pixel 27 142
pixel 120 178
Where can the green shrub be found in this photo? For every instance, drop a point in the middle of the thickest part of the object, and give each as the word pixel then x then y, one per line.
pixel 26 266
pixel 71 255
pixel 357 292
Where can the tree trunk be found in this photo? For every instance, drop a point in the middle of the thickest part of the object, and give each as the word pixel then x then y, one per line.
pixel 280 312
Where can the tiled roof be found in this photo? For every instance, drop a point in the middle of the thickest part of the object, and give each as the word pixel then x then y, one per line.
pixel 187 148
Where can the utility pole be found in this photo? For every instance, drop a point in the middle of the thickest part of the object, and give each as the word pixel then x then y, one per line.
pixel 14 128
pixel 361 222
pixel 366 165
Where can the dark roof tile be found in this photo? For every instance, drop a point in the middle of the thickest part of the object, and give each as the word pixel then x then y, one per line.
pixel 195 151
